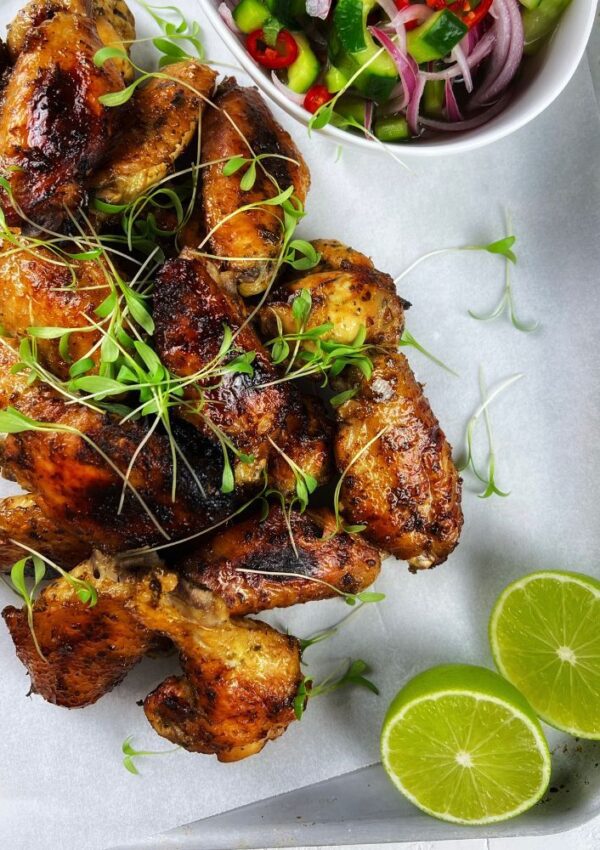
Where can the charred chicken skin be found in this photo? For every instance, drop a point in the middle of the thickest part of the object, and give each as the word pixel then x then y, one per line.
pixel 246 565
pixel 54 131
pixel 246 242
pixel 240 677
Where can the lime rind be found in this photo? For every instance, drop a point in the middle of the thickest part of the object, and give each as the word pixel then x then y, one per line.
pixel 480 686
pixel 529 680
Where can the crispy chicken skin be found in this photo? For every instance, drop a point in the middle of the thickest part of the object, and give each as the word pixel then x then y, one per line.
pixel 53 129
pixel 190 310
pixel 405 486
pixel 240 677
pixel 345 561
pixel 38 291
pixel 347 292
pixel 162 119
pixel 307 439
pixel 76 486
pixel 88 651
pixel 22 520
pixel 254 233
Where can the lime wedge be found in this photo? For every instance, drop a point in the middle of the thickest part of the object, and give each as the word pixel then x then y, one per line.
pixel 465 746
pixel 545 637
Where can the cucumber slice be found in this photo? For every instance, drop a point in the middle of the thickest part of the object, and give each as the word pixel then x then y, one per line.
pixel 433 98
pixel 349 20
pixel 250 15
pixel 357 47
pixel 303 72
pixel 393 128
pixel 436 37
pixel 335 79
pixel 291 13
pixel 351 106
pixel 540 22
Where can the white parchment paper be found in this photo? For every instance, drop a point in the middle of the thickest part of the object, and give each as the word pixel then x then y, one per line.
pixel 62 784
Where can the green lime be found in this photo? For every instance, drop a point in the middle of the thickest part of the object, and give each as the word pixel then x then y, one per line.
pixel 465 746
pixel 545 637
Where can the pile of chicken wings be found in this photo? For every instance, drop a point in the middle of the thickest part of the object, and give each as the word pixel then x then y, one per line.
pixel 184 572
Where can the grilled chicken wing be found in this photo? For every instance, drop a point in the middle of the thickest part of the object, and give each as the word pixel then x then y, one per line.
pixel 76 485
pixel 23 521
pixel 345 561
pixel 347 292
pixel 190 311
pixel 240 677
pixel 242 125
pixel 160 124
pixel 53 129
pixel 38 290
pixel 404 486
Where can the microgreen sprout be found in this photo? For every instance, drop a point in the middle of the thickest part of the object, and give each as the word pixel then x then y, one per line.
pixel 506 304
pixel 489 481
pixel 305 483
pixel 174 33
pixel 502 247
pixel 130 753
pixel 353 675
pixel 408 340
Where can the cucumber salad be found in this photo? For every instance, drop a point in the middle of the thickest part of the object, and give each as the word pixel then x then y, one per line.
pixel 394 69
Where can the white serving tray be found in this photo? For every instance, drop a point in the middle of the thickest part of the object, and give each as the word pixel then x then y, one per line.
pixel 317 785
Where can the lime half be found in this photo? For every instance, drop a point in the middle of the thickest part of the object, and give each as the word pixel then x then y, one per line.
pixel 465 746
pixel 545 637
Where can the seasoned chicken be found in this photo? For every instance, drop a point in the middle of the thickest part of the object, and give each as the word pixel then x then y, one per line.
pixel 53 129
pixel 42 289
pixel 346 292
pixel 77 486
pixel 240 677
pixel 162 119
pixel 114 22
pixel 190 312
pixel 404 486
pixel 345 561
pixel 22 520
pixel 247 242
pixel 87 650
pixel 306 439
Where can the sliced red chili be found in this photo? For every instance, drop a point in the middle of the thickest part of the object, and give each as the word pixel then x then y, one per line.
pixel 404 4
pixel 316 97
pixel 470 12
pixel 282 55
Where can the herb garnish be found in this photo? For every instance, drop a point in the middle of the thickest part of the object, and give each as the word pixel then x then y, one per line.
pixel 352 675
pixel 130 753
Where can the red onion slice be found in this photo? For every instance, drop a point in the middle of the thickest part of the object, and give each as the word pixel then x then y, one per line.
pixel 500 73
pixel 461 60
pixel 469 123
pixel 296 98
pixel 225 13
pixel 453 113
pixel 318 8
pixel 477 55
pixel 412 110
pixel 406 65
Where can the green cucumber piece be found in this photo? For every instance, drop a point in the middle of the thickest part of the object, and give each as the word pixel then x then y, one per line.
pixel 530 4
pixel 433 98
pixel 291 13
pixel 250 15
pixel 392 128
pixel 540 22
pixel 357 47
pixel 436 37
pixel 335 79
pixel 349 22
pixel 305 69
pixel 351 106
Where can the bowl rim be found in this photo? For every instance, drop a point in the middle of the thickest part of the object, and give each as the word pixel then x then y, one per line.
pixel 479 137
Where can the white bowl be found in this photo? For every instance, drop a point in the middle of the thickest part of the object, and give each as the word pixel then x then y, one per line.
pixel 543 78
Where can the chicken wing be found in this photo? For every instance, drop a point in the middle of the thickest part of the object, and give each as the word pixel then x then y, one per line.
pixel 191 309
pixel 22 520
pixel 343 561
pixel 346 292
pixel 404 486
pixel 78 469
pixel 163 118
pixel 240 677
pixel 248 242
pixel 40 289
pixel 53 129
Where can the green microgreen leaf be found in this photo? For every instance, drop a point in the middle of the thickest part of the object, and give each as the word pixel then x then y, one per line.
pixel 301 307
pixel 407 339
pixel 130 753
pixel 340 398
pixel 353 676
pixel 234 164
